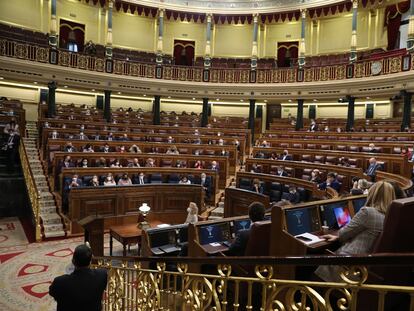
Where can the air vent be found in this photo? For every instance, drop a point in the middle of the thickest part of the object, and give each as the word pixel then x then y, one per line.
pixel 134 87
pixel 376 88
pixel 83 81
pixel 26 73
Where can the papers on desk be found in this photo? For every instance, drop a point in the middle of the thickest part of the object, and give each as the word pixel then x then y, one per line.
pixel 215 244
pixel 309 238
pixel 163 225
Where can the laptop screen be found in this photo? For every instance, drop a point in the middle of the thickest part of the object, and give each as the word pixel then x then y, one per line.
pixel 343 217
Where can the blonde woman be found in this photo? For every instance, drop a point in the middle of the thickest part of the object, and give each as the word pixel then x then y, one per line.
pixel 192 216
pixel 359 236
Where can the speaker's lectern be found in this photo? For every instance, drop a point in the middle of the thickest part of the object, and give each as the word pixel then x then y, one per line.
pixel 94 233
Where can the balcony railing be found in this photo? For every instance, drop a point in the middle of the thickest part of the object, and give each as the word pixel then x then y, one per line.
pixel 387 65
pixel 167 284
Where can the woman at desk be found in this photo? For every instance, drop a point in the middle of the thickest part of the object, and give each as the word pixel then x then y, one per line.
pixel 192 216
pixel 360 234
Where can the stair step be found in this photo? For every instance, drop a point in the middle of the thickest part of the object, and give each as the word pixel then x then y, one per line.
pixel 49 221
pixel 48 210
pixel 54 234
pixel 47 203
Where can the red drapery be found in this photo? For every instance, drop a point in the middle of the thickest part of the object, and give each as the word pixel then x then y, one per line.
pixel 393 15
pixel 65 28
pixel 184 52
pixel 285 58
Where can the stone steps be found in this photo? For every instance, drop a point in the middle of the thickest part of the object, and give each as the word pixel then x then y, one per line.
pixel 54 234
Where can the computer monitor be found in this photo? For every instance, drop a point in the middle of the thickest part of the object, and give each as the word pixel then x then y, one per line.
pixel 214 233
pixel 342 215
pixel 301 220
pixel 358 203
pixel 328 214
pixel 162 237
pixel 241 224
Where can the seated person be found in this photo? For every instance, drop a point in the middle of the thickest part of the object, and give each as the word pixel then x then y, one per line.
pixel 198 165
pixel 238 247
pixel 94 182
pixel 116 163
pixel 121 149
pixel 75 182
pixel 142 179
pixel 109 180
pixel 214 166
pixel 172 150
pixel 360 186
pixel 285 156
pixel 101 162
pixel 313 126
pixel 88 148
pixel 292 196
pixel 372 168
pixel 69 147
pixel 344 161
pixel 83 163
pixel 150 162
pixel 124 180
pixel 54 135
pixel 67 163
pixel 170 140
pixel 184 181
pixel 315 176
pixel 135 149
pixel 192 216
pixel 361 233
pixel 134 163
pixel 372 148
pixel 281 171
pixel 105 149
pixel 82 136
pixel 330 182
pixel 257 186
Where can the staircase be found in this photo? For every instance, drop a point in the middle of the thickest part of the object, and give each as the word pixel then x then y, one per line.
pixel 51 221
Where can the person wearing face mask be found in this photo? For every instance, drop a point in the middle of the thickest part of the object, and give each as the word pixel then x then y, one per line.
pixel 292 196
pixel 170 140
pixel 101 162
pixel 82 136
pixel 110 137
pixel 257 186
pixel 134 163
pixel 94 181
pixel 205 182
pixel 198 165
pixel 124 180
pixel 142 179
pixel 184 181
pixel 54 134
pixel 116 163
pixel 109 180
pixel 69 147
pixel 315 176
pixel 75 182
pixel 221 142
pixel 192 216
pixel 135 149
pixel 105 149
pixel 281 171
pixel 88 148
pixel 330 182
pixel 84 163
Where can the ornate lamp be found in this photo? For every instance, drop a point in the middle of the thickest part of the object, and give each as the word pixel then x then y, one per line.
pixel 144 210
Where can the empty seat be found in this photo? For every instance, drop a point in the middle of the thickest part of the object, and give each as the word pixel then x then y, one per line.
pixel 245 183
pixel 156 178
pixel 353 148
pixel 341 147
pixel 325 147
pixel 331 160
pixel 311 146
pixel 319 159
pixel 166 163
pixel 298 146
pixel 307 158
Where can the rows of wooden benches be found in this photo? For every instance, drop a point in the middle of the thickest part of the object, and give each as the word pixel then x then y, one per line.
pixel 186 161
pixel 393 163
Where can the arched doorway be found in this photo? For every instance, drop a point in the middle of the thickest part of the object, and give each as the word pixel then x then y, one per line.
pixel 184 52
pixel 287 53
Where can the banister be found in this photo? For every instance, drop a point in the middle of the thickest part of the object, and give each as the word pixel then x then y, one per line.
pixel 34 194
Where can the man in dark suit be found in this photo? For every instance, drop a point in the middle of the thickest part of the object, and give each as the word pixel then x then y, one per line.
pixel 330 182
pixel 372 168
pixel 292 196
pixel 286 156
pixel 238 247
pixel 69 147
pixel 83 288
pixel 105 148
pixel 281 171
pixel 205 182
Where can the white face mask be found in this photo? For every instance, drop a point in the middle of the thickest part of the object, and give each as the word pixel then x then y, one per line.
pixel 188 210
pixel 109 178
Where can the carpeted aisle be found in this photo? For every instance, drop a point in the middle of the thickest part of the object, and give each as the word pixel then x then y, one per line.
pixel 26 271
pixel 11 233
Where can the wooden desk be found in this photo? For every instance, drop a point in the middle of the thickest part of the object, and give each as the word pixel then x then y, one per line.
pixel 211 250
pixel 127 235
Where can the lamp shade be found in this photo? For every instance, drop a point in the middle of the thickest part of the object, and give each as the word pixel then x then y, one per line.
pixel 144 208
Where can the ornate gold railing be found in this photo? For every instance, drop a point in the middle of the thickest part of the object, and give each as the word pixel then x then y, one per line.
pixel 34 194
pixel 388 64
pixel 170 285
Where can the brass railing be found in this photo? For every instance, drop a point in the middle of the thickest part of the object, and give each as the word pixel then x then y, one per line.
pixel 170 286
pixel 34 194
pixel 388 65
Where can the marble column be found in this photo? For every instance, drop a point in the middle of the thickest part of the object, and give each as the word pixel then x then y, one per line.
pixel 51 99
pixel 351 113
pixel 410 39
pixel 254 43
pixel 160 36
pixel 299 115
pixel 53 25
pixel 353 55
pixel 302 46
pixel 108 49
pixel 204 116
pixel 156 110
pixel 107 106
pixel 207 53
pixel 406 118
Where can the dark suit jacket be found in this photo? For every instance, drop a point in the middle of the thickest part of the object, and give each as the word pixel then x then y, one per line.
pixel 238 247
pixel 335 185
pixel 82 290
pixel 286 158
pixel 372 169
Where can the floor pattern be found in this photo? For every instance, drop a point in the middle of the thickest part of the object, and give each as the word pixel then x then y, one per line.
pixel 12 232
pixel 26 271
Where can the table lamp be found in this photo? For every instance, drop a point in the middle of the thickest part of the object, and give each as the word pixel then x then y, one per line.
pixel 143 212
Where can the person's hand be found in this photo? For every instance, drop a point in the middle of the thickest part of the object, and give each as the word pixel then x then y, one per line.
pixel 330 237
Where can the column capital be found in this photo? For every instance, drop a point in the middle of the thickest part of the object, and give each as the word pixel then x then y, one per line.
pixel 354 4
pixel 255 17
pixel 52 85
pixel 161 12
pixel 111 4
pixel 303 12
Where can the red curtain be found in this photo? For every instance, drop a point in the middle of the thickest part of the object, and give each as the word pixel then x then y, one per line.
pixel 287 53
pixel 65 28
pixel 393 21
pixel 184 52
